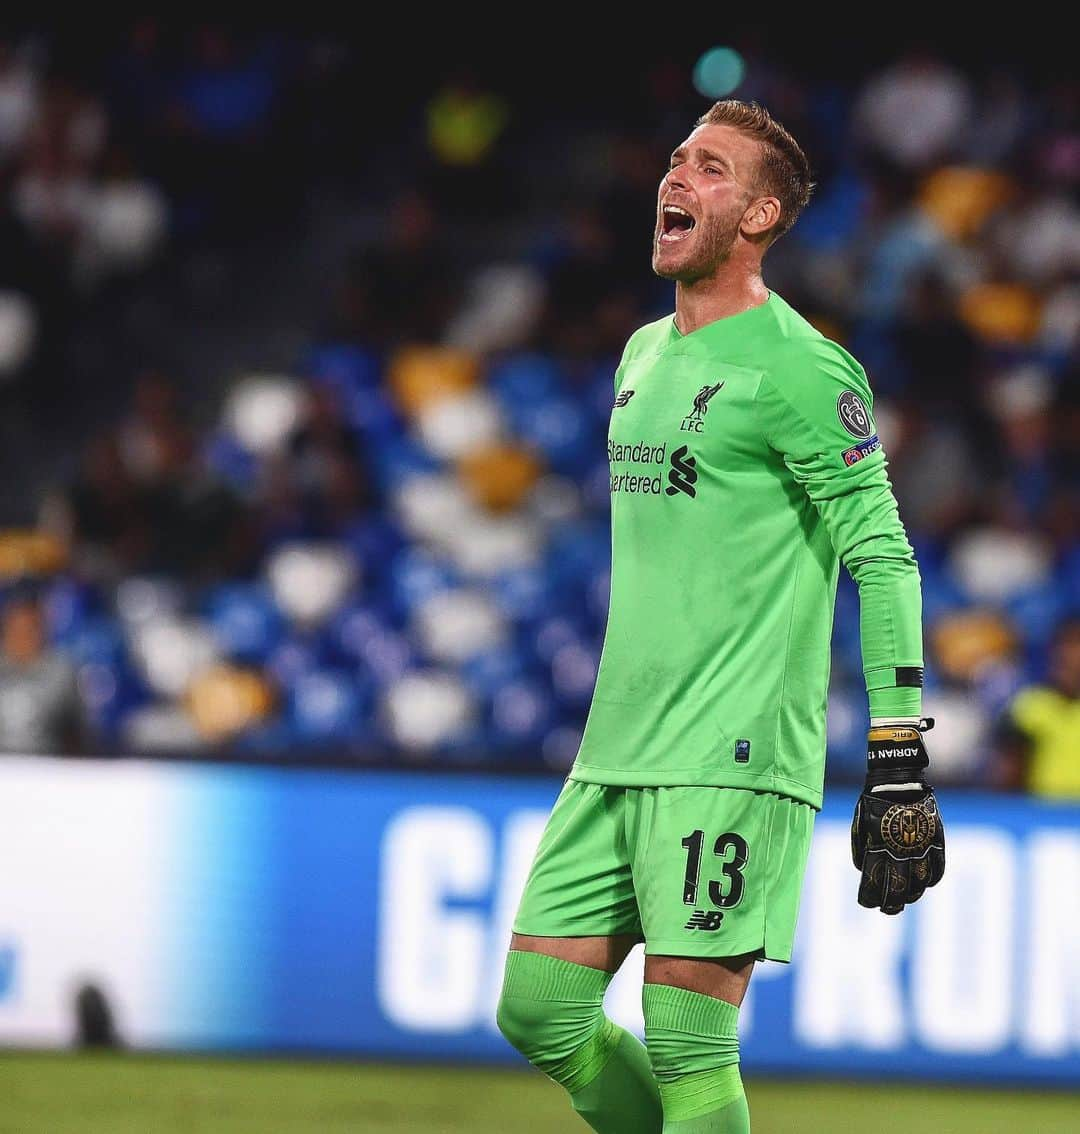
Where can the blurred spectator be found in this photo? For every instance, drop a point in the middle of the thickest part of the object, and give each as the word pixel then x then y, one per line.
pixel 40 709
pixel 404 287
pixel 18 97
pixel 1039 745
pixel 937 352
pixel 914 112
pixel 219 159
pixel 101 515
pixel 321 483
pixel 465 124
pixel 146 501
pixel 583 289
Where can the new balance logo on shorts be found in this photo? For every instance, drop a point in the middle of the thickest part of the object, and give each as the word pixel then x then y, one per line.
pixel 623 397
pixel 705 919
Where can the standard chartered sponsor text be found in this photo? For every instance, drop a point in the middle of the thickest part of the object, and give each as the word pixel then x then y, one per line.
pixel 642 453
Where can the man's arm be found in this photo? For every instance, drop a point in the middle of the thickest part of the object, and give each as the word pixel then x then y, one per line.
pixel 819 417
pixel 818 414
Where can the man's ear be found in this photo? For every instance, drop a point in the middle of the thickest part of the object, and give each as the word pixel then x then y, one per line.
pixel 762 216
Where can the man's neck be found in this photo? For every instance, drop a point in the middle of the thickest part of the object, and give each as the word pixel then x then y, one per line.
pixel 705 301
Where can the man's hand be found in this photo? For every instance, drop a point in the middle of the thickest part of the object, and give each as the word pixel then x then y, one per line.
pixel 897 839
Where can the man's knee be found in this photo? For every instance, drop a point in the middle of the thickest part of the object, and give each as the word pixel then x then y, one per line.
pixel 550 1009
pixel 693 1044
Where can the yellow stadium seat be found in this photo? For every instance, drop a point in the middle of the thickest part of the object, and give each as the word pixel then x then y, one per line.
pixel 420 375
pixel 499 476
pixel 28 552
pixel 966 641
pixel 224 700
pixel 960 199
pixel 1002 312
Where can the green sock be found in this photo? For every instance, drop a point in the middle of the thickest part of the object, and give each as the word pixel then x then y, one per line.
pixel 694 1046
pixel 720 1091
pixel 552 1012
pixel 623 1098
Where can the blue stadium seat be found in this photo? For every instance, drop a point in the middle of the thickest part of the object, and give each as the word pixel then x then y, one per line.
pixel 68 605
pixel 521 713
pixel 361 634
pixel 573 673
pixel 375 539
pixel 559 427
pixel 109 693
pixel 524 379
pixel 296 656
pixel 373 413
pixel 576 551
pixel 846 725
pixel 97 640
pixel 488 671
pixel 415 574
pixel 545 637
pixel 523 593
pixel 1068 580
pixel 940 595
pixel 327 706
pixel 227 458
pixel 343 367
pixel 245 621
pixel 396 456
pixel 1036 612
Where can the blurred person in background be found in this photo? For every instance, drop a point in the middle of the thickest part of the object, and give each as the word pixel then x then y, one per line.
pixel 1039 745
pixel 40 709
pixel 404 286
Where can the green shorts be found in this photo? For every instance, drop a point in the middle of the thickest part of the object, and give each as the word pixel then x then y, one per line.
pixel 691 871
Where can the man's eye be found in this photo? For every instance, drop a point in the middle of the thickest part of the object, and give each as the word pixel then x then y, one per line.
pixel 712 169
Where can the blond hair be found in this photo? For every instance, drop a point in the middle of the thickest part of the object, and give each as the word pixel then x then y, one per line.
pixel 783 172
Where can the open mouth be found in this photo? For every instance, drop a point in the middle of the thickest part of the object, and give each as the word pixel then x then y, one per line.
pixel 676 224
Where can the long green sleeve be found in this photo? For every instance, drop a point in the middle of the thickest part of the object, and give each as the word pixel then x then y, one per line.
pixel 819 415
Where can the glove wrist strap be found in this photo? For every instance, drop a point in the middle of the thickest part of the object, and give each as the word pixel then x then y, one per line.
pixel 896 754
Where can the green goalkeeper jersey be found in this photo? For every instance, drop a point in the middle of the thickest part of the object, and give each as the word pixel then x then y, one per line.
pixel 745 466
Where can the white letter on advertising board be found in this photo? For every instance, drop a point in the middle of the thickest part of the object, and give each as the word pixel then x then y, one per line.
pixel 847 984
pixel 1051 1024
pixel 431 958
pixel 961 962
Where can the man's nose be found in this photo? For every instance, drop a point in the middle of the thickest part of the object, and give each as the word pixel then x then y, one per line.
pixel 676 177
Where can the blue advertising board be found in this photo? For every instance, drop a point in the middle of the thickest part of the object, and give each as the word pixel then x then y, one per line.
pixel 368 913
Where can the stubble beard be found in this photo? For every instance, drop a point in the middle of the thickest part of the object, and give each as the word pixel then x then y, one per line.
pixel 714 242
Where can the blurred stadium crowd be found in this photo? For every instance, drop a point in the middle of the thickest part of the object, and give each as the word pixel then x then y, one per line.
pixel 375 525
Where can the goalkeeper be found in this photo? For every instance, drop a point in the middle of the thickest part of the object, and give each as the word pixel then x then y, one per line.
pixel 745 467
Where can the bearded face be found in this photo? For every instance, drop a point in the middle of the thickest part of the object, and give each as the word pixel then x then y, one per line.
pixel 687 253
pixel 701 202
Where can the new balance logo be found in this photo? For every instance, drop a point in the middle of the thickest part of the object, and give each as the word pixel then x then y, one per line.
pixel 623 398
pixel 682 473
pixel 709 920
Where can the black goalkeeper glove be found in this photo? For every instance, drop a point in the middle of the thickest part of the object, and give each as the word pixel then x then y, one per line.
pixel 897 839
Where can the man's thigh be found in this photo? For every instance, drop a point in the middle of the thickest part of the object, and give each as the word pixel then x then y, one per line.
pixel 580 884
pixel 725 978
pixel 717 873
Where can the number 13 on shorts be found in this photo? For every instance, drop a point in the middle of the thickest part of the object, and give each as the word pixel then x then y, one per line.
pixel 733 853
pixel 725 869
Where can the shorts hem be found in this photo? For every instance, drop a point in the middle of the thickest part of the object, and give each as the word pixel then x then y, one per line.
pixel 580 931
pixel 709 949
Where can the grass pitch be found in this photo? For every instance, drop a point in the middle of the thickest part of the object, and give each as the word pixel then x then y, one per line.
pixel 126 1094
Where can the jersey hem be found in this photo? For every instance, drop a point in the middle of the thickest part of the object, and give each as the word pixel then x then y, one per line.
pixel 751 781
